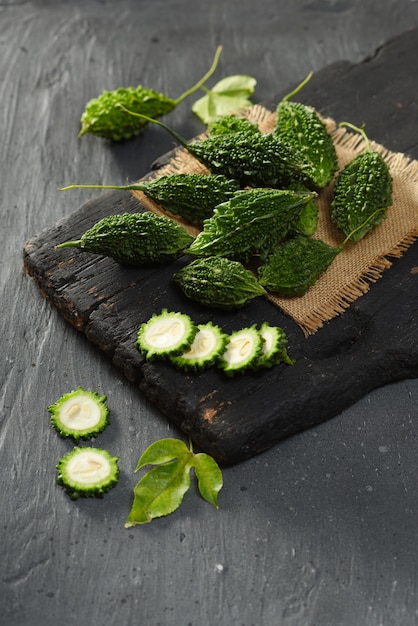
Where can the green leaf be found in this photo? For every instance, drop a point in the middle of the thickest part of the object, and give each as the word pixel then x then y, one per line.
pixel 209 477
pixel 162 451
pixel 231 94
pixel 160 491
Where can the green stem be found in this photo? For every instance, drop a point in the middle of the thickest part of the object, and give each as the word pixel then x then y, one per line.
pixel 298 88
pixel 69 244
pixel 138 187
pixel 200 83
pixel 353 232
pixel 358 130
pixel 172 132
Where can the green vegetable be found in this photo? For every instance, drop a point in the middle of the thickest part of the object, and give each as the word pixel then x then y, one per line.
pixel 301 127
pixel 254 221
pixel 255 159
pixel 296 265
pixel 229 94
pixel 87 472
pixel 207 346
pixel 165 334
pixel 104 117
pixel 218 282
pixel 231 124
pixel 79 414
pixel 307 222
pixel 191 196
pixel 161 490
pixel 243 350
pixel 274 346
pixel 134 238
pixel 363 190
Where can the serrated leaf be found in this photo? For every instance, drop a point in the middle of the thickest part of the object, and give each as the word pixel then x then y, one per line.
pixel 231 94
pixel 160 492
pixel 209 477
pixel 162 451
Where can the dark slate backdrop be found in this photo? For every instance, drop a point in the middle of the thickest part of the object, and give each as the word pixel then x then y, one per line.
pixel 320 530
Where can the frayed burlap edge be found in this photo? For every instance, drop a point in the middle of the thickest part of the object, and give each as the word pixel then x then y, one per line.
pixel 359 265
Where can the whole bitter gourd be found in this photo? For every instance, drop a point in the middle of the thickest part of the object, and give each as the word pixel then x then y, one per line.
pixel 218 282
pixel 134 239
pixel 190 196
pixel 362 192
pixel 254 221
pixel 301 127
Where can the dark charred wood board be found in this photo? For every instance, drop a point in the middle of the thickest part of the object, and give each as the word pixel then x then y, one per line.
pixel 373 343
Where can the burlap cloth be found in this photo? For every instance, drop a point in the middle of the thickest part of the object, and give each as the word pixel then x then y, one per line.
pixel 359 265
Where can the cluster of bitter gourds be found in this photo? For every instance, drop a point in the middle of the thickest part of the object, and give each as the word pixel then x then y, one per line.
pixel 258 200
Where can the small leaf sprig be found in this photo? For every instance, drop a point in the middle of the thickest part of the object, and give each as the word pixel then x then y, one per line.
pixel 231 94
pixel 161 490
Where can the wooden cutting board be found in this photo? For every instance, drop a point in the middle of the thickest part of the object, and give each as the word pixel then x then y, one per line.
pixel 373 343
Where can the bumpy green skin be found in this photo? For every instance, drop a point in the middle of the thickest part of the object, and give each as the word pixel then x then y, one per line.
pixel 252 357
pixel 63 430
pixel 254 221
pixel 104 118
pixel 255 159
pixel 296 265
pixel 136 238
pixel 198 361
pixel 191 196
pixel 307 222
pixel 184 341
pixel 276 353
pixel 363 187
pixel 76 489
pixel 231 124
pixel 218 282
pixel 300 126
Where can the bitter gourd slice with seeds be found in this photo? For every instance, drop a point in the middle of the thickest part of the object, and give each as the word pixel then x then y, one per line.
pixel 362 192
pixel 218 282
pixel 254 221
pixel 165 334
pixel 134 239
pixel 190 196
pixel 207 346
pixel 300 126
pixel 242 351
pixel 274 349
pixel 80 414
pixel 86 471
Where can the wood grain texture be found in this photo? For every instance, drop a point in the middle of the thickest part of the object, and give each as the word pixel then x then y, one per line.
pixel 321 529
pixel 234 419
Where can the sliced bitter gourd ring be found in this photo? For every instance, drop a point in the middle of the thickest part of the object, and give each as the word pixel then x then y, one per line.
pixel 242 351
pixel 274 346
pixel 87 472
pixel 208 344
pixel 79 414
pixel 166 334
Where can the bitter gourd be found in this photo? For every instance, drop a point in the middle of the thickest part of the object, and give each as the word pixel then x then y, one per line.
pixel 103 116
pixel 251 158
pixel 165 334
pixel 87 472
pixel 218 282
pixel 207 346
pixel 134 239
pixel 296 265
pixel 191 196
pixel 242 351
pixel 301 127
pixel 231 124
pixel 274 346
pixel 80 414
pixel 254 221
pixel 362 189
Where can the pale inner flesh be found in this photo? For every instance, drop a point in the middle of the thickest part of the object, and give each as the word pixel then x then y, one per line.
pixel 239 349
pixel 164 333
pixel 88 468
pixel 203 344
pixel 79 413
